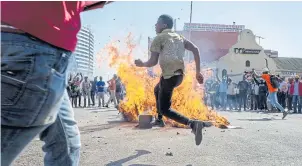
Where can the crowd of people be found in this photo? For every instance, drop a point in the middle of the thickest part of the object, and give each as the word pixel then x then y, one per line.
pixel 253 94
pixel 79 88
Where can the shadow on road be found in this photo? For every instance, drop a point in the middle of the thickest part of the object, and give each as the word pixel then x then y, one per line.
pixel 100 111
pixel 94 128
pixel 261 119
pixel 100 127
pixel 124 160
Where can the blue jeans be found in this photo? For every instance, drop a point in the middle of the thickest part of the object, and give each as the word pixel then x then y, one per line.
pixel 297 101
pixel 223 99
pixel 274 101
pixel 34 100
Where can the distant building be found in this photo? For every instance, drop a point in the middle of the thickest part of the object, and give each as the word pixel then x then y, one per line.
pixel 247 54
pixel 84 53
pixel 213 40
pixel 213 27
pixel 288 67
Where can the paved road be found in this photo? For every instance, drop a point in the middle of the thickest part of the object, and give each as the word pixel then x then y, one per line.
pixel 264 139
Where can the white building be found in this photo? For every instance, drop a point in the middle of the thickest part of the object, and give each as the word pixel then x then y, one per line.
pixel 247 54
pixel 84 53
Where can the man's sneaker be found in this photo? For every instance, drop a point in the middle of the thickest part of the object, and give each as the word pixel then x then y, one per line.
pixel 197 130
pixel 284 114
pixel 159 123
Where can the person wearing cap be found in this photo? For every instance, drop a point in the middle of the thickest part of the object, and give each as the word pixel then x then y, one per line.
pixel 296 93
pixel 271 90
pixel 37 41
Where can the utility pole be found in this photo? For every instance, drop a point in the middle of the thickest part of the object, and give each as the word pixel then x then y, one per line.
pixel 259 38
pixel 191 9
pixel 174 25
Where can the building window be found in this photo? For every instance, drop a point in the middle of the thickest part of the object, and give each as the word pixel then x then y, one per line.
pixel 247 63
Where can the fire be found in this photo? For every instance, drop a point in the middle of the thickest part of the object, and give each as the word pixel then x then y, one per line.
pixel 187 98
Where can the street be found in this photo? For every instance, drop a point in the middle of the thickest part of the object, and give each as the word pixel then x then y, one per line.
pixel 263 139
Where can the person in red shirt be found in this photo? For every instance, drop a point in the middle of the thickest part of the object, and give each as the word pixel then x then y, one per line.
pixel 112 88
pixel 37 40
pixel 295 91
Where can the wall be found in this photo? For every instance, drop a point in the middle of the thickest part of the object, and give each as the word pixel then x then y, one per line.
pixel 235 62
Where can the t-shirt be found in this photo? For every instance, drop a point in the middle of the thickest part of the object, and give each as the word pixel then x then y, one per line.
pixel 283 87
pixel 296 89
pixel 243 85
pixel 112 85
pixel 223 86
pixel 171 49
pixel 86 86
pixel 267 79
pixel 93 86
pixel 55 22
pixel 100 86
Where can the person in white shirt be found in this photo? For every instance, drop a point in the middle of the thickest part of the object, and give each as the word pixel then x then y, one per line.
pixel 283 88
pixel 255 96
pixel 236 90
pixel 231 95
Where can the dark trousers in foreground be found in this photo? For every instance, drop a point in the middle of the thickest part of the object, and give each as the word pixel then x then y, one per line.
pixel 92 96
pixel 289 102
pixel 231 101
pixel 163 93
pixel 262 102
pixel 282 98
pixel 242 99
pixel 254 102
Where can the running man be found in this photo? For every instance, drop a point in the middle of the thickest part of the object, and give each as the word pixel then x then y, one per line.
pixel 169 48
pixel 271 90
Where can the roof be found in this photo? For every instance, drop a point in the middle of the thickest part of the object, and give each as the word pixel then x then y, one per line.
pixel 212 45
pixel 291 64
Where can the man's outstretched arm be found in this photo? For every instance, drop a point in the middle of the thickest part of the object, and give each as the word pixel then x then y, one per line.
pixel 150 63
pixel 255 74
pixel 194 49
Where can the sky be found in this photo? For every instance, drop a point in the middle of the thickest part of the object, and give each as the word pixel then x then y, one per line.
pixel 279 23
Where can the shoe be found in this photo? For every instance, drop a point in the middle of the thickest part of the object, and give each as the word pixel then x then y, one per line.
pixel 107 106
pixel 284 114
pixel 159 123
pixel 197 130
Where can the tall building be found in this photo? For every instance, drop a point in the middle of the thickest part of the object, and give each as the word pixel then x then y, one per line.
pixel 84 53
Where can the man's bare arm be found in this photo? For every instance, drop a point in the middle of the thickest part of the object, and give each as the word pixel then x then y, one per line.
pixel 153 60
pixel 255 74
pixel 194 49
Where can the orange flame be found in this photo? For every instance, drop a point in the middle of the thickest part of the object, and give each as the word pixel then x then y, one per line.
pixel 186 99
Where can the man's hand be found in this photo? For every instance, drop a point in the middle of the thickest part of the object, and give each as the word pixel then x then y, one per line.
pixel 139 63
pixel 199 78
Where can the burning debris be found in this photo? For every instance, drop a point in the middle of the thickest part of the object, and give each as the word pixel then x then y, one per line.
pixel 187 98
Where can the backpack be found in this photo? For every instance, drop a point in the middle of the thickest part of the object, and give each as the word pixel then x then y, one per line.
pixel 274 81
pixel 262 89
